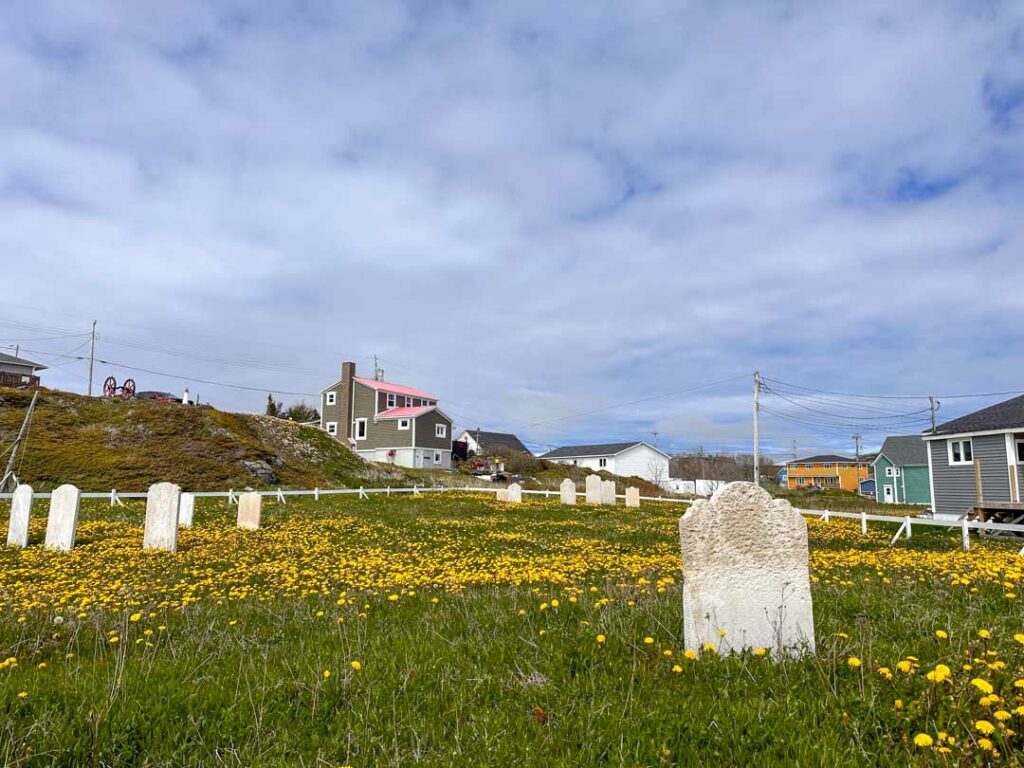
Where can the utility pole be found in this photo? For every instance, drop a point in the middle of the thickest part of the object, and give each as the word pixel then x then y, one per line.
pixel 378 373
pixel 856 440
pixel 92 355
pixel 933 406
pixel 9 471
pixel 757 428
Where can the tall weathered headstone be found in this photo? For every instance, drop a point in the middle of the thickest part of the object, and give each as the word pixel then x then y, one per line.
pixel 21 509
pixel 633 497
pixel 161 531
pixel 186 509
pixel 593 489
pixel 608 492
pixel 567 491
pixel 515 493
pixel 501 495
pixel 62 521
pixel 745 577
pixel 249 510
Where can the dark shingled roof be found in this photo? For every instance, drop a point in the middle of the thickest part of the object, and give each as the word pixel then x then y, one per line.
pixel 579 451
pixel 825 458
pixel 1006 415
pixel 497 441
pixel 905 450
pixel 12 360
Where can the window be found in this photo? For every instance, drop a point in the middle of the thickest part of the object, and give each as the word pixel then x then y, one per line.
pixel 602 463
pixel 808 466
pixel 440 430
pixel 889 472
pixel 392 400
pixel 897 471
pixel 360 429
pixel 407 401
pixel 331 398
pixel 403 423
pixel 332 427
pixel 1020 451
pixel 960 452
pixel 826 466
pixel 437 457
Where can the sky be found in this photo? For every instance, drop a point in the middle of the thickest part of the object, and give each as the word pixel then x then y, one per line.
pixel 581 222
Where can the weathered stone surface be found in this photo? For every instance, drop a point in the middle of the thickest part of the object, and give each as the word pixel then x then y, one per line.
pixel 502 494
pixel 261 471
pixel 161 531
pixel 608 492
pixel 633 497
pixel 21 509
pixel 249 505
pixel 62 521
pixel 567 491
pixel 745 573
pixel 593 489
pixel 186 509
pixel 515 493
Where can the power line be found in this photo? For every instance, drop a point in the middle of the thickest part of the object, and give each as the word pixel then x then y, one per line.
pixel 899 397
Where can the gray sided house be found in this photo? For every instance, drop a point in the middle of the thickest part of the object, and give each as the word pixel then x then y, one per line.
pixel 18 372
pixel 386 422
pixel 976 461
pixel 901 471
pixel 492 443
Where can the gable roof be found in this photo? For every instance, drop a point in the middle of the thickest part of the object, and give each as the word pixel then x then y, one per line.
pixel 398 389
pixel 12 360
pixel 1008 414
pixel 825 458
pixel 588 451
pixel 905 451
pixel 407 412
pixel 497 440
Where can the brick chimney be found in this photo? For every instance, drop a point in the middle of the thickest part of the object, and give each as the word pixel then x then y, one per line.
pixel 348 372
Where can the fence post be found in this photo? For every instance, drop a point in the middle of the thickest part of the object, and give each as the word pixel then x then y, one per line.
pixel 280 496
pixel 415 492
pixel 231 496
pixel 389 490
pixel 965 535
pixel 908 527
pixel 113 496
pixel 899 530
pixel 863 522
pixel 362 494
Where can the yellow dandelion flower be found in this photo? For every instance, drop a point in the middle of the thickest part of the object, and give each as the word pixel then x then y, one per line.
pixel 941 634
pixel 984 726
pixel 982 685
pixel 760 651
pixel 23 695
pixel 114 639
pixel 327 673
pixel 923 740
pixel 985 743
pixel 648 641
pixel 984 634
pixel 940 674
pixel 135 617
pixel 601 639
pixel 853 661
pixel 676 668
pixel 356 665
pixel 690 654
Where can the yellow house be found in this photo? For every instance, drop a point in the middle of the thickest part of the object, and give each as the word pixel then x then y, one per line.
pixel 828 471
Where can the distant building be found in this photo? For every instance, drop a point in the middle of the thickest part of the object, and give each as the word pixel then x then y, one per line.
pixel 18 372
pixel 491 443
pixel 386 422
pixel 826 471
pixel 636 459
pixel 901 471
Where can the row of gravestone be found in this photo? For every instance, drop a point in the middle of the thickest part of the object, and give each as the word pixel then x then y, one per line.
pixel 598 491
pixel 167 508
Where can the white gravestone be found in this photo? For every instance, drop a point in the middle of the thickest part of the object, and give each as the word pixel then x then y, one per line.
pixel 62 521
pixel 161 531
pixel 501 495
pixel 567 491
pixel 21 509
pixel 745 573
pixel 593 489
pixel 608 492
pixel 186 509
pixel 515 493
pixel 633 497
pixel 249 510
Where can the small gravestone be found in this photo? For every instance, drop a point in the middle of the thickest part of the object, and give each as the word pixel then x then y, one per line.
pixel 21 509
pixel 633 497
pixel 745 578
pixel 161 531
pixel 186 509
pixel 502 494
pixel 593 489
pixel 249 510
pixel 62 521
pixel 567 491
pixel 608 492
pixel 515 493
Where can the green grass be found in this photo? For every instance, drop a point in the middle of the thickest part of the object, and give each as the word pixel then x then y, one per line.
pixel 471 663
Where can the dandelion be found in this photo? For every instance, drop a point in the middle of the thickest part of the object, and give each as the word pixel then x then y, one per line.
pixel 690 654
pixel 940 674
pixel 984 634
pixel 853 661
pixel 1019 637
pixel 710 648
pixel 1001 715
pixel 648 641
pixel 327 673
pixel 555 603
pixel 135 617
pixel 982 685
pixel 985 743
pixel 356 665
pixel 23 695
pixel 41 665
pixel 941 634
pixel 114 639
pixel 600 639
pixel 923 740
pixel 760 651
pixel 898 703
pixel 721 633
pixel 676 668
pixel 885 672
pixel 667 652
pixel 904 666
pixel 984 726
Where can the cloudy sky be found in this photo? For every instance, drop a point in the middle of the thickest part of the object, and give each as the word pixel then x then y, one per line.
pixel 580 222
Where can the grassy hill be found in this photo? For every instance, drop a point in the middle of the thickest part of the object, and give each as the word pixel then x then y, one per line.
pixel 99 444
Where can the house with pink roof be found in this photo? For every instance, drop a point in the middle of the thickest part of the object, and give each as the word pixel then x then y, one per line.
pixel 386 422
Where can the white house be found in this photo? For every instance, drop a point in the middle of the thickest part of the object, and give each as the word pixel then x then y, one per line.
pixel 636 459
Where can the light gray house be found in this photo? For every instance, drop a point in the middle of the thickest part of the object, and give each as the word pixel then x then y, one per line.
pixel 18 372
pixel 976 461
pixel 386 422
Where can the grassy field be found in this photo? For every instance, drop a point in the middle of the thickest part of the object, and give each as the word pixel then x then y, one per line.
pixel 458 631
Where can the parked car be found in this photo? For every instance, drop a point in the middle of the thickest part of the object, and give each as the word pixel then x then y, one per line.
pixel 160 397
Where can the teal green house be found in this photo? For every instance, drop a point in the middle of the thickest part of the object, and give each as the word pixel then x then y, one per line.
pixel 901 471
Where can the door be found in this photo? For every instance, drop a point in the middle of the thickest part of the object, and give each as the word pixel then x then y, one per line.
pixel 888 494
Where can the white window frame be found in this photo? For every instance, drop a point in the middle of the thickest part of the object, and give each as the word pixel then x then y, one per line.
pixel 437 457
pixel 826 466
pixel 961 442
pixel 602 463
pixel 408 401
pixel 359 425
pixel 403 424
pixel 440 430
pixel 331 398
pixel 332 427
pixel 897 471
pixel 392 400
pixel 1019 445
pixel 890 472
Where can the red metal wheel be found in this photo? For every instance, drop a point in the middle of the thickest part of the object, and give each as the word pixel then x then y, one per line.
pixel 109 386
pixel 128 390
